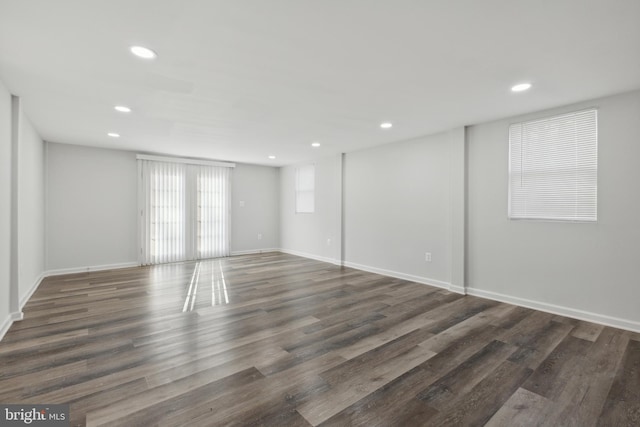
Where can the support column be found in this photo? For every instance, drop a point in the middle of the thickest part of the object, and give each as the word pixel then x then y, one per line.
pixel 14 276
pixel 458 191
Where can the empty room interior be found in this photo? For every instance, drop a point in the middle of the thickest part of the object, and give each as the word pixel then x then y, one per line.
pixel 296 213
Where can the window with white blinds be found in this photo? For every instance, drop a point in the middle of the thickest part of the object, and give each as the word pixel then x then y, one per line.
pixel 184 211
pixel 553 168
pixel 305 189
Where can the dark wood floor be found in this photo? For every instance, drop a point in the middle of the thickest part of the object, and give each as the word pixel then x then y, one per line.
pixel 278 340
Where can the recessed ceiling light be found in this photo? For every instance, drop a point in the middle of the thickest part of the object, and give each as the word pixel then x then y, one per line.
pixel 521 87
pixel 122 109
pixel 114 135
pixel 143 52
pixel 315 144
pixel 386 125
pixel 272 157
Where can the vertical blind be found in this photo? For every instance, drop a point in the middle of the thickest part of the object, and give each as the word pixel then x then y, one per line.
pixel 213 211
pixel 184 211
pixel 305 189
pixel 164 212
pixel 553 168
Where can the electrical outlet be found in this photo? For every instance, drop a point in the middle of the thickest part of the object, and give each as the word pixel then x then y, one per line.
pixel 242 203
pixel 427 256
pixel 259 236
pixel 328 242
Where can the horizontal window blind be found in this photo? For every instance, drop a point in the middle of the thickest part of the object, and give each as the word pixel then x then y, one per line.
pixel 305 189
pixel 553 168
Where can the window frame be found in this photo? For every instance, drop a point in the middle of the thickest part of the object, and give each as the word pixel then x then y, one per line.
pixel 549 118
pixel 300 207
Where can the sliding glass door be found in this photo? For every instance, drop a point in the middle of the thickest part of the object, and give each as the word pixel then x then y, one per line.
pixel 184 211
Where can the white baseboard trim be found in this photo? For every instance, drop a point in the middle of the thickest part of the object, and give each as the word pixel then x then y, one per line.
pixel 254 251
pixel 33 288
pixel 6 324
pixel 8 321
pixel 398 275
pixel 458 289
pixel 615 322
pixel 310 256
pixel 73 270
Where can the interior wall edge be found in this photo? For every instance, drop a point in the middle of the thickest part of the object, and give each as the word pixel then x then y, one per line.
pixel 34 286
pixel 8 321
pixel 4 327
pixel 14 278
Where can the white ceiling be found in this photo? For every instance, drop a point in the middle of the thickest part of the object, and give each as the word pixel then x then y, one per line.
pixel 239 80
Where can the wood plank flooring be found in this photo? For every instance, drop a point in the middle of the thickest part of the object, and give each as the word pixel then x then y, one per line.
pixel 274 339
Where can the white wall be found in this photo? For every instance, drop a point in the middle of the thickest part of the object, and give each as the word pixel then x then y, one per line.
pixel 91 207
pixel 31 231
pixel 398 206
pixel 315 235
pixel 254 208
pixel 5 206
pixel 587 270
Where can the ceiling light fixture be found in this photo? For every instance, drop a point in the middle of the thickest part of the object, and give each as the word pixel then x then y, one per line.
pixel 143 52
pixel 272 157
pixel 386 125
pixel 315 144
pixel 113 135
pixel 122 109
pixel 521 87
